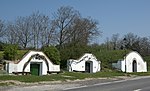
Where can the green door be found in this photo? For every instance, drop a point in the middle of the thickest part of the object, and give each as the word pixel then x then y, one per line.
pixel 35 69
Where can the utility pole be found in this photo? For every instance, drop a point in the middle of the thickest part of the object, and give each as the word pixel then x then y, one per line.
pixel 125 41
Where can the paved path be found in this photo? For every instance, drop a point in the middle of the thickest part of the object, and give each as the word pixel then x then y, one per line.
pixel 135 84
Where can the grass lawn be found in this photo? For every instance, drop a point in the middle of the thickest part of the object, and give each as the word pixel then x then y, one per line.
pixel 1 54
pixel 66 76
pixel 62 76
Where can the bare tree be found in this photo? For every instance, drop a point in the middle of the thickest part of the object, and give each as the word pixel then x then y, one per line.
pixel 50 40
pixel 40 29
pixel 108 44
pixel 23 29
pixel 37 29
pixel 30 31
pixel 11 34
pixel 144 46
pixel 115 40
pixel 47 31
pixel 130 40
pixel 63 18
pixel 83 30
pixel 2 28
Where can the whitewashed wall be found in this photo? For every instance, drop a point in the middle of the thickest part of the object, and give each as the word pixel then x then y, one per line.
pixel 128 61
pixel 141 64
pixel 18 67
pixel 79 65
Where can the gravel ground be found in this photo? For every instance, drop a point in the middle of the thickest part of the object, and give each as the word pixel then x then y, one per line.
pixel 57 85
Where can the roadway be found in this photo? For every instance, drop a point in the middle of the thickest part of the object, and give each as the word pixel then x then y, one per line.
pixel 135 84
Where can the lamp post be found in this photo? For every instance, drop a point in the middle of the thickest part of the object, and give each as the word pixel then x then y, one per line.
pixel 124 41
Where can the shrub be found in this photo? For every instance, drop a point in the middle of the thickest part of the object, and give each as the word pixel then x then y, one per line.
pixel 10 52
pixel 52 53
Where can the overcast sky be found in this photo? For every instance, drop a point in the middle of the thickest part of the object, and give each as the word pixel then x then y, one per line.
pixel 114 16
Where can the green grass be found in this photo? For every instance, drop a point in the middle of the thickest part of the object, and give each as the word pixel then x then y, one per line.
pixel 21 53
pixel 94 75
pixel 1 54
pixel 107 57
pixel 31 78
pixel 60 77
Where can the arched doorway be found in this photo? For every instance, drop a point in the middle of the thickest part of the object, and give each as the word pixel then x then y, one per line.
pixel 89 66
pixel 134 66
